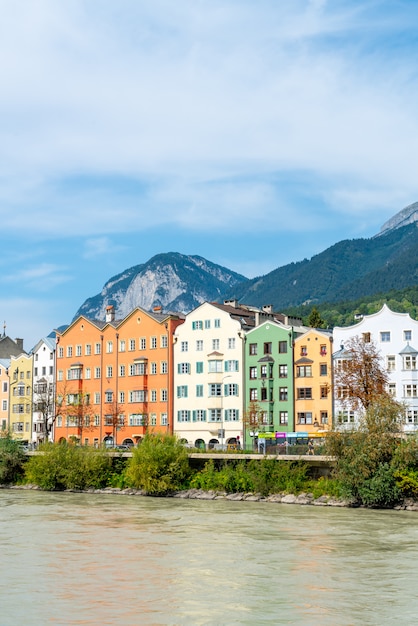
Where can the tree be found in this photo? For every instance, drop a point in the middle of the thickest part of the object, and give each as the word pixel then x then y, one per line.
pixel 44 403
pixel 254 419
pixel 315 320
pixel 76 409
pixel 114 418
pixel 360 376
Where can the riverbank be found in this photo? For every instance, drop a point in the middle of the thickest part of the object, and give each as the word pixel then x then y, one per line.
pixel 303 499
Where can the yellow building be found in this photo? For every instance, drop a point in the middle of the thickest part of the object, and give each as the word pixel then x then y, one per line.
pixel 20 397
pixel 313 382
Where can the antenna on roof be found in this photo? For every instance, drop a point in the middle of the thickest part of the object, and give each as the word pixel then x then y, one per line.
pixel 4 328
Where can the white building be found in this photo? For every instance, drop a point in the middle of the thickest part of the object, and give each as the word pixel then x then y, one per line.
pixel 209 378
pixel 396 337
pixel 43 389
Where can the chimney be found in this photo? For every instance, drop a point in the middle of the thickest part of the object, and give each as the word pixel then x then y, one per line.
pixel 268 308
pixel 233 303
pixel 19 343
pixel 110 313
pixel 157 309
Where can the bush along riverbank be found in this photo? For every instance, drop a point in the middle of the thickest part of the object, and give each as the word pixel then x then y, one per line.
pixel 374 468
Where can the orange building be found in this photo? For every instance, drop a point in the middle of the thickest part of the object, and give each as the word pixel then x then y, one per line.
pixel 313 382
pixel 114 378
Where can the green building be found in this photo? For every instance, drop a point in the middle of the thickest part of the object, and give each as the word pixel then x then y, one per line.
pixel 269 385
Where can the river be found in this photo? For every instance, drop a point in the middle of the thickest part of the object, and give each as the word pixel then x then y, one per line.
pixel 92 559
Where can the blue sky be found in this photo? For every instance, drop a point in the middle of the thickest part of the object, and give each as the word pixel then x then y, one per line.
pixel 252 133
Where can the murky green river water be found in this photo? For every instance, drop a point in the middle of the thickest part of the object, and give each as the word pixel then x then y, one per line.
pixel 108 559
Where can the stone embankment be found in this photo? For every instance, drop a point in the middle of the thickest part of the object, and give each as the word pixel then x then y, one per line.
pixel 199 494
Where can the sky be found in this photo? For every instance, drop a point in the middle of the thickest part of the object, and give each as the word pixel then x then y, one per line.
pixel 254 133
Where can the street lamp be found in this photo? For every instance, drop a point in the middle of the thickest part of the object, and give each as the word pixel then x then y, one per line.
pixel 222 412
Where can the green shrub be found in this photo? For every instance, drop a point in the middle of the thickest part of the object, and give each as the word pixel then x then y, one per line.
pixel 381 489
pixel 407 482
pixel 12 459
pixel 64 466
pixel 159 466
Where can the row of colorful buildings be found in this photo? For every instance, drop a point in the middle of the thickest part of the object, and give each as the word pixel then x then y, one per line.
pixel 225 374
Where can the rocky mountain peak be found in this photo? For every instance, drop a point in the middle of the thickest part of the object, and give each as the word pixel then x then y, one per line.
pixel 408 215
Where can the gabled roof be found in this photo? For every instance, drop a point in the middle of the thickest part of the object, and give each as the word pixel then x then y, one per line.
pixel 408 350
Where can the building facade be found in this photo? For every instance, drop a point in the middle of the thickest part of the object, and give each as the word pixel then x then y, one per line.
pixel 43 408
pixel 20 397
pixel 396 337
pixel 114 378
pixel 208 378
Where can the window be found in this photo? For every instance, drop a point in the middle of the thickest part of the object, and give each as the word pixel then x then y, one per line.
pixel 137 419
pixel 137 369
pixel 232 415
pixel 215 366
pixel 324 417
pixel 305 418
pixel 109 347
pixel 342 392
pixel 164 395
pixel 217 323
pixel 199 345
pixel 109 396
pixel 182 391
pixel 324 392
pixel 391 363
pixel 199 367
pixel 4 405
pixel 183 416
pixel 231 390
pixel 109 371
pixel 97 398
pixel 283 394
pixel 131 344
pixel 267 347
pixel 346 417
pixel 121 397
pixel 407 335
pixel 215 415
pixel 164 341
pixel 304 393
pixel 215 389
pixel 97 372
pixel 282 347
pixel 153 419
pixel 164 419
pixel 77 350
pixel 88 349
pixel 215 344
pixel 74 373
pixel 199 415
pixel 323 349
pixel 153 343
pixel 207 324
pixel 385 336
pixel 282 371
pixel 303 351
pixel 231 366
pixel 304 371
pixel 253 373
pixel 122 345
pixel 366 337
pixel 122 370
pixel 184 346
pixel 323 369
pixel 284 417
pixel 164 367
pixel 138 395
pixel 97 348
pixel 153 368
pixel 412 416
pixel 253 394
pixel 231 343
pixel 69 351
pixel 198 325
pixel 392 389
pixel 183 368
pixel 142 343
pixel 199 391
pixel 410 391
pixel 263 371
pixel 410 362
pixel 253 349
pixel 60 352
pixel 153 395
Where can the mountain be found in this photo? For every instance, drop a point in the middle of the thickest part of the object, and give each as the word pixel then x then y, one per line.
pixel 408 215
pixel 176 282
pixel 347 270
